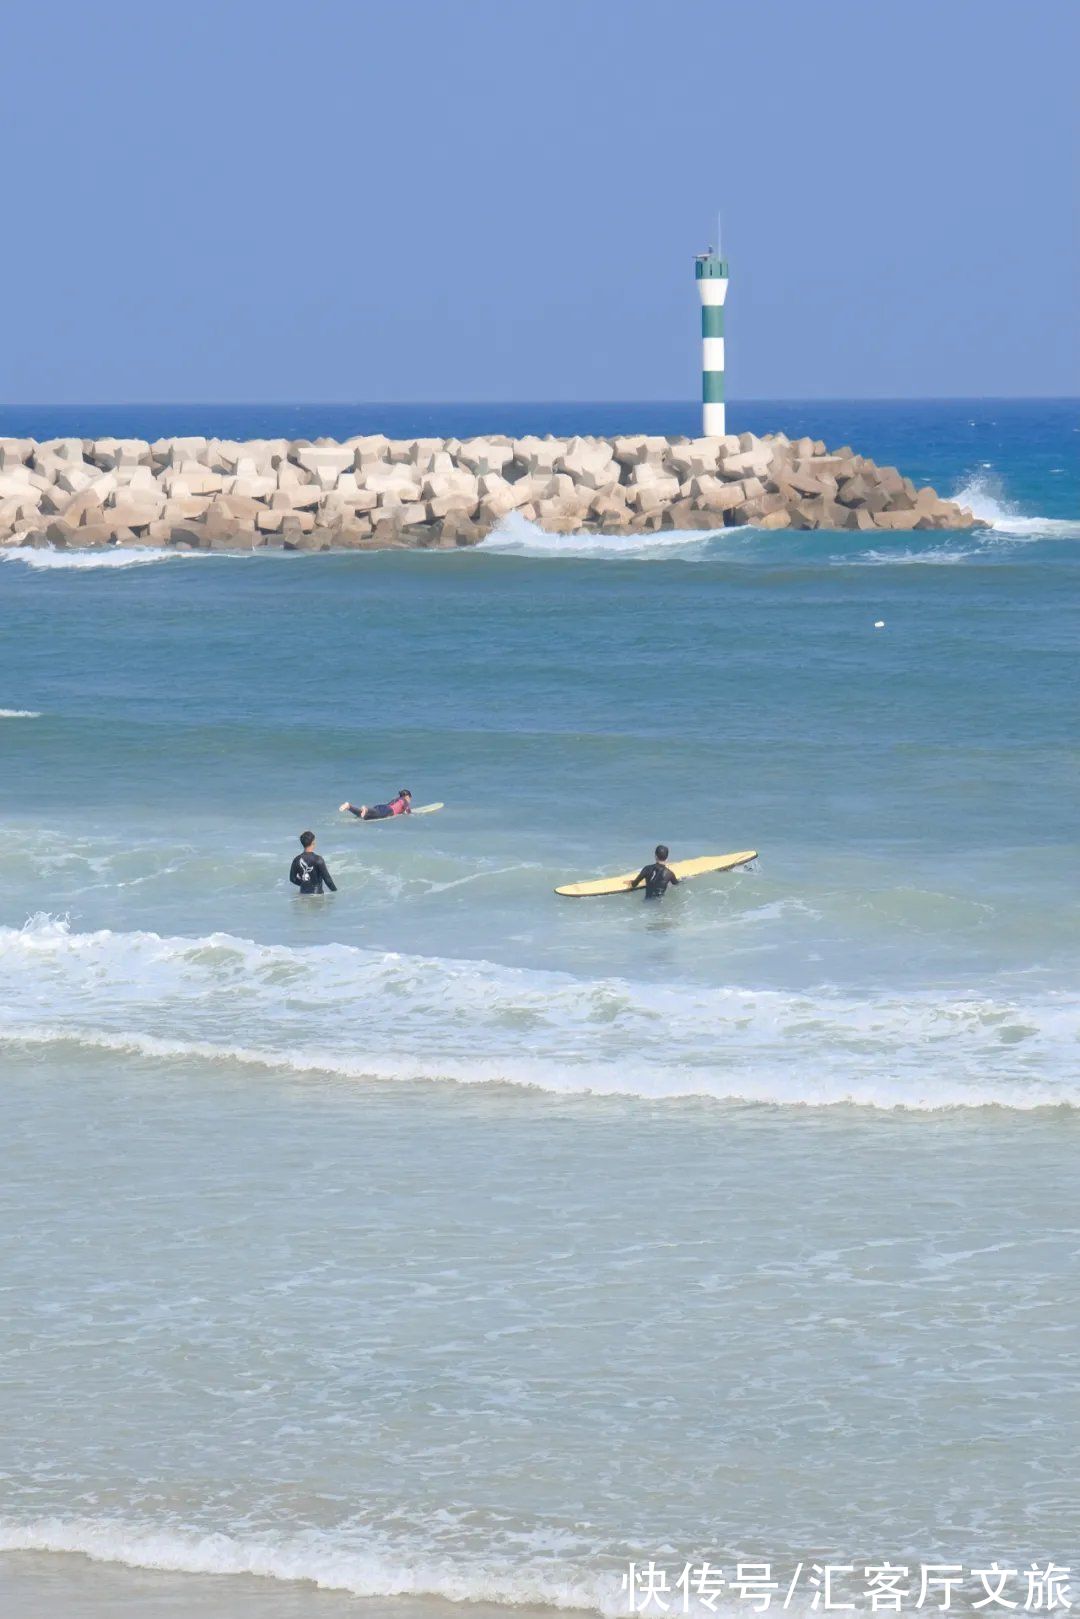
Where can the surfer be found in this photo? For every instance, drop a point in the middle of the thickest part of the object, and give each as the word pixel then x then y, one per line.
pixel 308 870
pixel 401 805
pixel 657 877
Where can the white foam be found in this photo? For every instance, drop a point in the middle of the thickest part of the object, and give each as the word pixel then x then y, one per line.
pixel 374 1570
pixel 937 556
pixel 518 536
pixel 19 714
pixel 396 1017
pixel 985 497
pixel 982 494
pixel 117 556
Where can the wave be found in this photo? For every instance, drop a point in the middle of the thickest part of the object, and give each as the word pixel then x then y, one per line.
pixel 117 556
pixel 940 556
pixel 1007 529
pixel 386 1016
pixel 518 536
pixel 319 1559
pixel 19 714
pixel 787 547
pixel 984 495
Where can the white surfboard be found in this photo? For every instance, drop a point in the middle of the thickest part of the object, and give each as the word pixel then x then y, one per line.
pixel 420 809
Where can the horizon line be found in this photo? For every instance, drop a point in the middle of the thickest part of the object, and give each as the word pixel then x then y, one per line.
pixel 398 404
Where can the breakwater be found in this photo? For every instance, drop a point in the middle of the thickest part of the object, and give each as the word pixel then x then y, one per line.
pixel 371 491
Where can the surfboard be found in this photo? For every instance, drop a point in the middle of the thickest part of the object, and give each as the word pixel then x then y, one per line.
pixel 420 809
pixel 682 868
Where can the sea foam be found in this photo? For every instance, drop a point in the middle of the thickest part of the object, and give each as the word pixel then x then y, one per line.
pixel 517 535
pixel 120 556
pixel 319 1559
pixel 400 1017
pixel 1008 528
pixel 984 494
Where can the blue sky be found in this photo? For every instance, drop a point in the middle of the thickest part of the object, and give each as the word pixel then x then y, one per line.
pixel 501 199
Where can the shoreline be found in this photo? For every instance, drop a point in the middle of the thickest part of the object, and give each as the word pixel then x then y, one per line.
pixel 370 492
pixel 41 1583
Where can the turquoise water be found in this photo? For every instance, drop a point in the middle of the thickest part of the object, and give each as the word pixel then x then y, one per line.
pixel 443 1239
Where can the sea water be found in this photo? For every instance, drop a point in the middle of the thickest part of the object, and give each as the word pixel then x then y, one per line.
pixel 441 1239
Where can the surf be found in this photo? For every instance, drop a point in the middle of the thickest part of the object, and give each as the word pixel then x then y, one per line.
pixel 519 536
pixel 381 1568
pixel 407 1018
pixel 983 492
pixel 45 557
pixel 1005 537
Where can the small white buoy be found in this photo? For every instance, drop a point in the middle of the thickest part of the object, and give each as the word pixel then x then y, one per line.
pixel 879 624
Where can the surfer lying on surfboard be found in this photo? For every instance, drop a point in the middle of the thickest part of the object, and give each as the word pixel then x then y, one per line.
pixel 401 805
pixel 657 877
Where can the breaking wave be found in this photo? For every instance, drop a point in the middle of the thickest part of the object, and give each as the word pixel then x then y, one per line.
pixel 322 1560
pixel 984 495
pixel 118 556
pixel 1007 530
pixel 518 536
pixel 397 1017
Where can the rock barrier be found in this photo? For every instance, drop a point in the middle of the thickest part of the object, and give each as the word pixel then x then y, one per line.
pixel 373 492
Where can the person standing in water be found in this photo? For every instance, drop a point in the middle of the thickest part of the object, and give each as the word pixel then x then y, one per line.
pixel 657 877
pixel 308 870
pixel 401 805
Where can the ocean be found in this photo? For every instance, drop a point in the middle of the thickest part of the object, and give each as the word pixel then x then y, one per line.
pixel 442 1241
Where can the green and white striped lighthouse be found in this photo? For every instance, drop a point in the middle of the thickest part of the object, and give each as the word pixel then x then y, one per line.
pixel 712 279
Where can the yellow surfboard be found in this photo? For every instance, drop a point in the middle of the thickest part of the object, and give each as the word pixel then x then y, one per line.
pixel 682 868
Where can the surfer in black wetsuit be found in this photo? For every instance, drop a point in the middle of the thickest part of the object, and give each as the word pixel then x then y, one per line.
pixel 657 877
pixel 308 870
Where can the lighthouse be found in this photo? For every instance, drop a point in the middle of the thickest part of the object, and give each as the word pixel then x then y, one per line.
pixel 712 279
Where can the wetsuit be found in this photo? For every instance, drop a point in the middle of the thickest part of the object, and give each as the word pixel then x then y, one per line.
pixel 656 878
pixel 308 871
pixel 382 812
